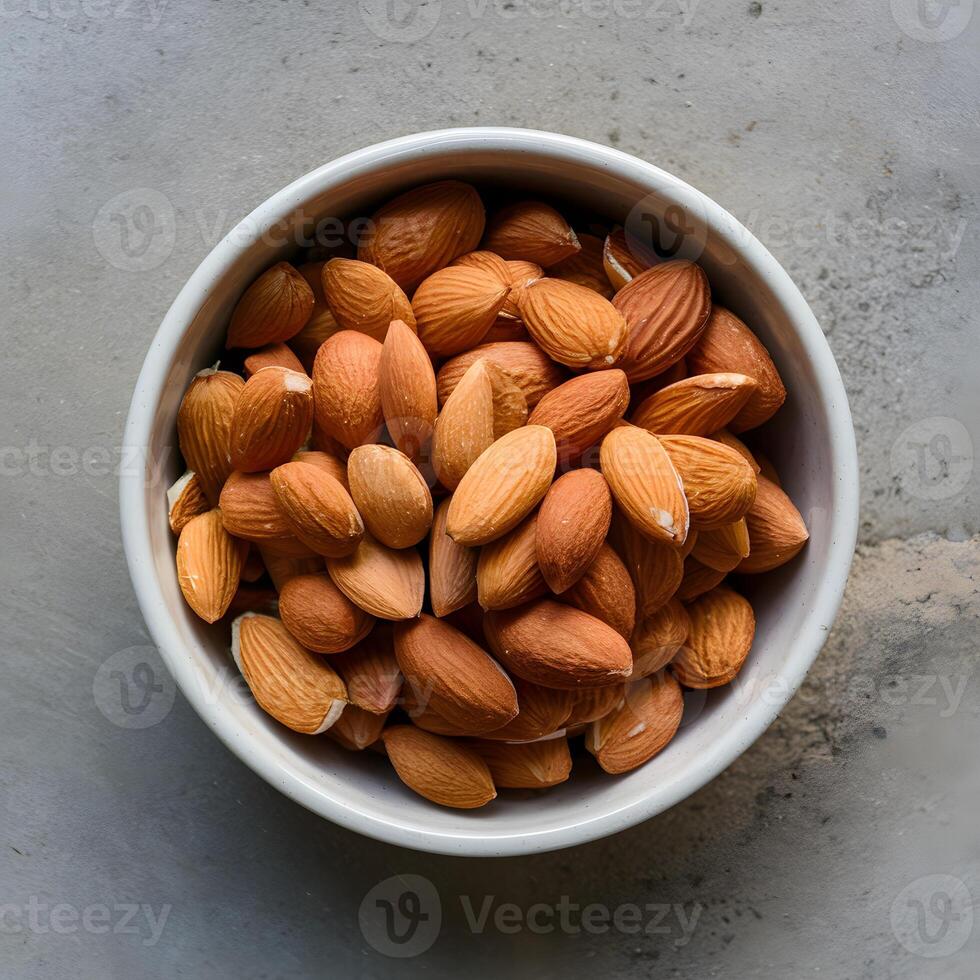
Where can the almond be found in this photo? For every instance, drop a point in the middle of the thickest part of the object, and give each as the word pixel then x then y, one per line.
pixel 204 427
pixel 299 689
pixel 727 344
pixel 329 463
pixel 645 484
pixel 532 231
pixel 572 524
pixel 655 568
pixel 460 681
pixel 371 672
pixel 408 390
pixel 776 529
pixel 251 511
pixel 452 568
pixel 503 486
pixel 416 705
pixel 507 574
pixel 531 766
pixel 520 274
pixel 733 442
pixel 542 711
pixel 624 259
pixel 439 769
pixel 209 565
pixel 272 419
pixel 321 324
pixel 642 390
pixel 695 406
pixel 363 298
pixel 384 582
pixel 320 616
pixel 423 230
pixel 722 631
pixel 585 268
pixel 506 329
pixel 697 580
pixel 556 645
pixel 281 568
pixel 391 495
pixel 572 324
pixel 666 309
pixel 317 509
pixel 488 262
pixel 274 308
pixel 185 499
pixel 254 599
pixel 272 355
pixel 356 729
pixel 640 728
pixel 594 703
pixel 455 307
pixel 658 638
pixel 723 548
pixel 581 411
pixel 606 592
pixel 346 388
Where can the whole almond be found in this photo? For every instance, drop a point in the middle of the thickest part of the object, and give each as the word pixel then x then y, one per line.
pixel 724 547
pixel 185 500
pixel 503 486
pixel 417 705
pixel 371 672
pixel 585 268
pixel 408 390
pixel 346 388
pixel 655 568
pixel 535 765
pixel 542 711
pixel 532 231
pixel 606 592
pixel 593 703
pixel 572 524
pixel 274 308
pixel 776 529
pixel 363 298
pixel 204 427
pixel 455 307
pixel 299 689
pixel 722 631
pixel 727 344
pixel 384 582
pixel 452 568
pixel 624 258
pixel 282 568
pixel 251 511
pixel 657 639
pixel 507 574
pixel 357 729
pixel 320 616
pixel 391 495
pixel 666 309
pixel 696 406
pixel 272 355
pixel 209 565
pixel 487 262
pixel 330 463
pixel 698 579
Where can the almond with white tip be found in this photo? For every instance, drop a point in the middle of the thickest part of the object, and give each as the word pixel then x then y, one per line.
pixel 695 406
pixel 720 638
pixel 185 500
pixel 408 390
pixel 452 568
pixel 347 388
pixel 209 565
pixel 320 616
pixel 532 231
pixel 363 298
pixel 624 258
pixel 384 582
pixel 274 308
pixel 534 765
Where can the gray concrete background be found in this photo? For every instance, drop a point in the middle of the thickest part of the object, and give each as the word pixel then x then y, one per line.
pixel 845 136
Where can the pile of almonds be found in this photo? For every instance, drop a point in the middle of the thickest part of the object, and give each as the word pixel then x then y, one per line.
pixel 477 491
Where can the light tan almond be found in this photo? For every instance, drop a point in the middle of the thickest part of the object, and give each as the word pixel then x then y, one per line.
pixel 274 308
pixel 727 344
pixel 606 592
pixel 624 258
pixel 572 524
pixel 594 703
pixel 696 406
pixel 384 582
pixel 391 495
pixel 532 231
pixel 423 230
pixel 487 262
pixel 585 268
pixel 298 688
pixel 363 298
pixel 640 728
pixel 320 616
pixel 655 568
pixel 776 529
pixel 503 486
pixel 321 324
pixel 186 499
pixel 371 672
pixel 209 565
pixel 542 711
pixel 204 427
pixel 251 511
pixel 697 580
pixel 657 639
pixel 722 631
pixel 439 769
pixel 273 355
pixel 573 324
pixel 536 765
pixel 507 574
pixel 330 463
pixel 347 388
pixel 356 729
pixel 733 442
pixel 723 548
pixel 452 568
pixel 408 390
pixel 282 568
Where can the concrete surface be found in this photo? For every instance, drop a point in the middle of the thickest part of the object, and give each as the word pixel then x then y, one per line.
pixel 845 843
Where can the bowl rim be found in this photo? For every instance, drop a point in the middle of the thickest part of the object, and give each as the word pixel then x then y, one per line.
pixel 134 514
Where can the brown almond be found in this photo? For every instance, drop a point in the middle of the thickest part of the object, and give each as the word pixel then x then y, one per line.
pixel 535 765
pixel 521 273
pixel 185 500
pixel 363 298
pixel 606 592
pixel 371 672
pixel 733 442
pixel 542 711
pixel 696 406
pixel 585 268
pixel 594 703
pixel 507 573
pixel 347 388
pixel 532 231
pixel 407 385
pixel 698 579
pixel 384 582
pixel 723 548
pixel 655 568
pixel 251 511
pixel 623 258
pixel 320 616
pixel 657 639
pixel 209 565
pixel 273 355
pixel 776 529
pixel 722 631
pixel 330 463
pixel 357 729
pixel 282 568
pixel 274 308
pixel 452 568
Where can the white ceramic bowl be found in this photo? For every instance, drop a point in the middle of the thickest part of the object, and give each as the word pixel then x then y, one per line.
pixel 811 441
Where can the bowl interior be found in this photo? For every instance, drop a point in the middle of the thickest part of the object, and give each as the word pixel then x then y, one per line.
pixel 360 790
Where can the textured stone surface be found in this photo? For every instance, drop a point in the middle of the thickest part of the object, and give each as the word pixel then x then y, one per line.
pixel 845 142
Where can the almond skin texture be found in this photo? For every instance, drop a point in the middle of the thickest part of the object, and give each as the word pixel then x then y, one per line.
pixel 423 230
pixel 776 529
pixel 455 307
pixel 532 766
pixel 645 484
pixel 251 510
pixel 532 231
pixel 542 712
pixel 363 298
pixel 666 310
pixel 698 579
pixel 606 592
pixel 640 728
pixel 733 442
pixel 356 728
pixel 572 524
pixel 439 769
pixel 460 681
pixel 585 268
pixel 272 419
pixel 594 703
pixel 520 274
pixel 573 324
pixel 329 463
pixel 274 308
pixel 723 548
pixel 719 484
pixel 452 568
pixel 581 411
pixel 391 495
pixel 503 486
pixel 272 355
pixel 347 388
pixel 204 427
pixel 624 259
pixel 695 406
pixel 209 565
pixel 727 344
pixel 371 672
pixel 185 500
pixel 507 574
pixel 559 646
pixel 298 688
pixel 655 568
pixel 317 508
pixel 384 582
pixel 320 616
pixel 282 568
pixel 408 390
pixel 657 639
pixel 722 631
